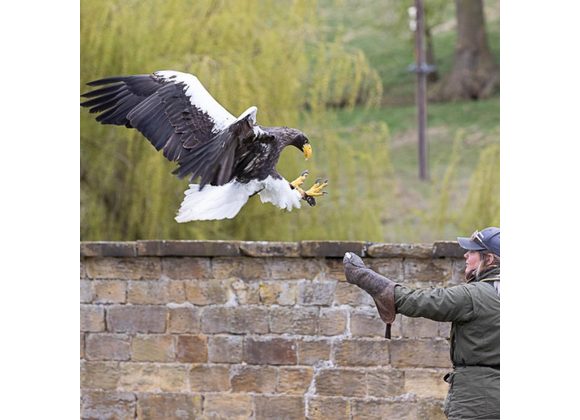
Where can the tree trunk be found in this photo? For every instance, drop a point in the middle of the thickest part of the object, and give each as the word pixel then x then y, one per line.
pixel 474 74
pixel 430 55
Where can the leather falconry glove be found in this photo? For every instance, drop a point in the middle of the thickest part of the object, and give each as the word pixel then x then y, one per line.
pixel 381 289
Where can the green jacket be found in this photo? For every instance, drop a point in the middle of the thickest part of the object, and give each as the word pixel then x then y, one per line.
pixel 473 310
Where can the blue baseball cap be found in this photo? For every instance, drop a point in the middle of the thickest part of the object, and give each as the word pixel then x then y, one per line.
pixel 484 240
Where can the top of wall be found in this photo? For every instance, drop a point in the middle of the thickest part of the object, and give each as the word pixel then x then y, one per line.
pixel 333 249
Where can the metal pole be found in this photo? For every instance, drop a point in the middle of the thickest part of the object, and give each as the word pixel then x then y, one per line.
pixel 421 68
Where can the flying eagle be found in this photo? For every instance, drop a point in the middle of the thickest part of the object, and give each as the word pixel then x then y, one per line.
pixel 234 158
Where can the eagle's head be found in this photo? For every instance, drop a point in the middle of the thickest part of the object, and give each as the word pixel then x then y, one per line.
pixel 301 142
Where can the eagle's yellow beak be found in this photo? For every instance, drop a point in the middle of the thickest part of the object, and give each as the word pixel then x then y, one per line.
pixel 307 151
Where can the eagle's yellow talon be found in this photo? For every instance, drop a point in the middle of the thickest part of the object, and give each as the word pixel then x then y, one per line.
pixel 300 180
pixel 316 189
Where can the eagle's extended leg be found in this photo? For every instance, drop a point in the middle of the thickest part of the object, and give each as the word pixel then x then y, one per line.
pixel 300 180
pixel 316 189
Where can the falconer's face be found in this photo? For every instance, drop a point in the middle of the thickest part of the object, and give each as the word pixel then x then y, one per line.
pixel 472 261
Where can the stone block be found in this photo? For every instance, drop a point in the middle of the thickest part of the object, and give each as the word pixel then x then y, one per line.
pixel 225 349
pixel 426 383
pixel 209 378
pixel 123 268
pixel 367 323
pixel 153 348
pixel 108 249
pixel 92 318
pixel 320 293
pixel 294 320
pixel 292 269
pixel 234 320
pixel 137 319
pixel 153 377
pixel 419 327
pixel 457 273
pixel 383 383
pixel 432 410
pixel 99 375
pixel 385 250
pixel 169 406
pixel 420 353
pixel 228 406
pixel 330 248
pixel 186 268
pixel 270 351
pixel 108 405
pixel 294 380
pixel 243 268
pixel 246 292
pixel 445 329
pixel 334 269
pixel 188 248
pixel 192 348
pixel 82 345
pixel 341 382
pixel 416 270
pixel 324 408
pixel 384 409
pixel 259 379
pixel 156 292
pixel 103 346
pixel 279 407
pixel 332 321
pixel 392 268
pixel 278 292
pixel 184 319
pixel 208 292
pixel 86 291
pixel 349 294
pixel 314 351
pixel 270 249
pixel 109 291
pixel 362 352
pixel 449 249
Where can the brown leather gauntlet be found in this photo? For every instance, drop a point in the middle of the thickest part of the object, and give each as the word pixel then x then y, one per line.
pixel 381 289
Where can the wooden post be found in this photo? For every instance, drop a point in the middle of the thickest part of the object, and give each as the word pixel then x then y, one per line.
pixel 421 69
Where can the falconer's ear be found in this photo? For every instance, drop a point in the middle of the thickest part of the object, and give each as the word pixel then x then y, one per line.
pixel 488 259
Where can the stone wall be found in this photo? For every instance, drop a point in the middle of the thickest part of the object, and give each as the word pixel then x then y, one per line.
pixel 258 330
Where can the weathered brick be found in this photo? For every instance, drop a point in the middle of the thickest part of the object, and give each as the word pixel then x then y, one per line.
pixel 444 329
pixel 192 348
pixel 99 375
pixel 270 351
pixel 123 268
pixel 188 248
pixel 169 406
pixel 278 292
pixel 109 291
pixel 457 273
pixel 385 250
pixel 385 383
pixel 186 268
pixel 419 327
pixel 416 270
pixel 432 410
pixel 450 249
pixel 349 294
pixel 311 352
pixel 82 345
pixel 290 268
pixel 86 291
pixel 270 249
pixel 92 318
pixel 426 383
pixel 108 249
pixel 243 268
pixel 228 406
pixel 137 319
pixel 153 348
pixel 384 409
pixel 260 379
pixel 393 268
pixel 107 405
pixel 330 248
pixel 362 352
pixel 153 377
pixel 107 347
pixel 156 292
pixel 294 380
pixel 294 320
pixel 225 349
pixel 279 407
pixel 367 323
pixel 332 321
pixel 334 269
pixel 235 320
pixel 207 292
pixel 319 293
pixel 341 382
pixel 246 292
pixel 184 319
pixel 323 408
pixel 209 378
pixel 420 353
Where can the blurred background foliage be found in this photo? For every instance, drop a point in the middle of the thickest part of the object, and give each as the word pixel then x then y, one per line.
pixel 336 70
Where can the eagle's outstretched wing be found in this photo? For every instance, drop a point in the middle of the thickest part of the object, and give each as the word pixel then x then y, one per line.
pixel 178 116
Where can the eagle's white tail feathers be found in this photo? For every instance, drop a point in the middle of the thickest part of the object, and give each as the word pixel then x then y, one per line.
pixel 214 203
pixel 225 201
